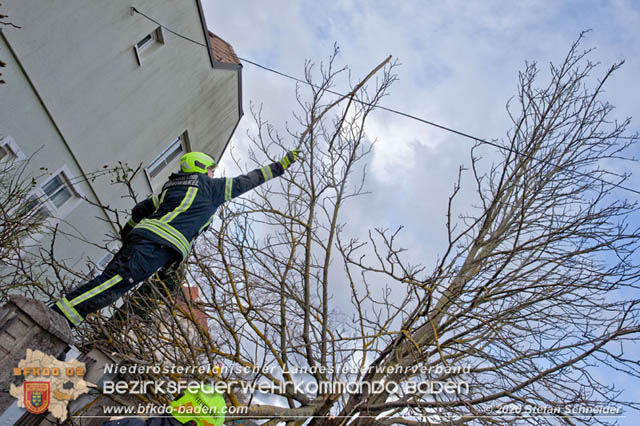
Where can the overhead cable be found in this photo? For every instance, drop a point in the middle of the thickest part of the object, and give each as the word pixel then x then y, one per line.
pixel 404 114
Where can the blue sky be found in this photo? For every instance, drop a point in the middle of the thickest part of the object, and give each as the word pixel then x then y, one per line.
pixel 460 61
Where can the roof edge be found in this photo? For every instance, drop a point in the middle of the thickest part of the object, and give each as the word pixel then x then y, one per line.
pixel 205 32
pixel 224 55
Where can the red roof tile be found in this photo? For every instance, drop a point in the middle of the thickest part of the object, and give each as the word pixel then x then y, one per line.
pixel 193 294
pixel 222 51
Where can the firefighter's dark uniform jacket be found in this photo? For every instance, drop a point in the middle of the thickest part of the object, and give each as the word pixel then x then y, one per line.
pixel 161 231
pixel 187 204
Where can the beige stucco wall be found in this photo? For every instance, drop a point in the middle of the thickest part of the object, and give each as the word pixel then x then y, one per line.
pixel 24 119
pixel 80 59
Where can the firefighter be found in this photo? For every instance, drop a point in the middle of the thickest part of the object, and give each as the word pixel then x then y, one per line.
pixel 162 229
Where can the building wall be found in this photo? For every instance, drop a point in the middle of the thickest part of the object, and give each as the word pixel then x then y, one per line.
pixel 86 80
pixel 24 119
pixel 81 59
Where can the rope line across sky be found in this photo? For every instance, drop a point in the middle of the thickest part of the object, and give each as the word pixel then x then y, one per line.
pixel 410 116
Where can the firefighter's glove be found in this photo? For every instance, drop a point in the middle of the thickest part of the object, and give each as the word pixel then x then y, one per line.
pixel 291 157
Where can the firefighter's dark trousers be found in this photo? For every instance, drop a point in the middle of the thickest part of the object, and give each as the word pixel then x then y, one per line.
pixel 136 261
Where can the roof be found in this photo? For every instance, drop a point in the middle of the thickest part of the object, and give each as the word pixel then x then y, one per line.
pixel 193 294
pixel 222 51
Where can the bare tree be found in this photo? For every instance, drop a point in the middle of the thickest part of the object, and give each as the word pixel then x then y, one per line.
pixel 535 290
pixel 159 325
pixel 25 262
pixel 15 226
pixel 5 23
pixel 533 293
pixel 30 261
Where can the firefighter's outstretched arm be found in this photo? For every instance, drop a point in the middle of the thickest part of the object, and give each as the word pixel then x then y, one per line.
pixel 243 183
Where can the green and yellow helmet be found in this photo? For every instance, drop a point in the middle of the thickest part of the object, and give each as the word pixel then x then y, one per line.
pixel 206 407
pixel 197 162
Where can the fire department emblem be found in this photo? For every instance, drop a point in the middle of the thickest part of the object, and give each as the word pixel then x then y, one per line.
pixel 49 384
pixel 36 396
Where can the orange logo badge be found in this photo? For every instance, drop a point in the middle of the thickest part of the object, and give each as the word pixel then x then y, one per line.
pixel 36 396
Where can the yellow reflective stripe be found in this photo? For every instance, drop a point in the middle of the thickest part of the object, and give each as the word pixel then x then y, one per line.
pixel 184 205
pixel 165 236
pixel 168 233
pixel 132 222
pixel 69 311
pixel 285 162
pixel 97 290
pixel 228 188
pixel 266 173
pixel 155 200
pixel 162 196
pixel 171 231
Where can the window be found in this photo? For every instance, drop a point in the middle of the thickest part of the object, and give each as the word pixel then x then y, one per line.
pixel 6 153
pixel 53 199
pixel 9 150
pixel 174 150
pixel 102 263
pixel 148 43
